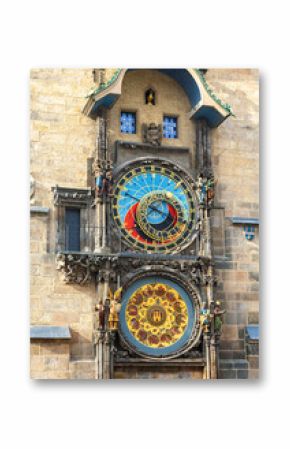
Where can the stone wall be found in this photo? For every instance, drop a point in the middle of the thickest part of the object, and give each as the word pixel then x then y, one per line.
pixel 62 140
pixel 49 359
pixel 167 373
pixel 170 100
pixel 235 147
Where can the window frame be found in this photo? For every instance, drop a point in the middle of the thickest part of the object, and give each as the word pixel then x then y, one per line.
pixel 172 116
pixel 74 198
pixel 130 111
pixel 67 233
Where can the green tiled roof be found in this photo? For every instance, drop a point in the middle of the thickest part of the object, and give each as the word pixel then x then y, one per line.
pixel 227 107
pixel 103 86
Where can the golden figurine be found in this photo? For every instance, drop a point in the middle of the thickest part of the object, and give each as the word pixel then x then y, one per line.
pixel 115 308
pixel 150 97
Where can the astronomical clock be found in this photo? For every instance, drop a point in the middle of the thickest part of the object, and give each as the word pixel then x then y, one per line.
pixel 154 206
pixel 152 190
pixel 159 316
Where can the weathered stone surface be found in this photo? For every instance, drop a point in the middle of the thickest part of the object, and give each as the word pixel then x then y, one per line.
pixel 49 360
pixel 82 369
pixel 159 373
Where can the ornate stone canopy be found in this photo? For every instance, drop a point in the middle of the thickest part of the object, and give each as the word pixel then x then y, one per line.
pixel 204 103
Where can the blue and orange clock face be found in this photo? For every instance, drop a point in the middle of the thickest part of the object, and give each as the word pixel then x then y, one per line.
pixel 154 207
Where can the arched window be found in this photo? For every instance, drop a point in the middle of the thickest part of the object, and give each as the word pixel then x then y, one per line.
pixel 150 97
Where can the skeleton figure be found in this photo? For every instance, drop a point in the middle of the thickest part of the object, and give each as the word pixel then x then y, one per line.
pixel 205 190
pixel 205 317
pixel 210 190
pixel 201 190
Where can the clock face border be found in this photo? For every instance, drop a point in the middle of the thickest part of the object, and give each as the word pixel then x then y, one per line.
pixel 174 173
pixel 191 297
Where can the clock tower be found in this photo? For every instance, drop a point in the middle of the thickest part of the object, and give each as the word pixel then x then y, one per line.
pixel 144 224
pixel 153 191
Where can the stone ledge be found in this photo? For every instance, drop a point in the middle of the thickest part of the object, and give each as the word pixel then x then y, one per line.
pixel 233 369
pixel 233 364
pixel 50 333
pixel 39 210
pixel 242 220
pixel 199 361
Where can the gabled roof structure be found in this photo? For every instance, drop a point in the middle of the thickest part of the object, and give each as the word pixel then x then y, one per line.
pixel 204 103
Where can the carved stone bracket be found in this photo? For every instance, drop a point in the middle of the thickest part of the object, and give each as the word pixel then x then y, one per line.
pixel 74 269
pixel 64 196
pixel 152 133
pixel 209 279
pixel 81 268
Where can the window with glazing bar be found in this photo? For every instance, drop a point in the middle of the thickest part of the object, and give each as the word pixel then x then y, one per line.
pixel 128 122
pixel 169 127
pixel 72 229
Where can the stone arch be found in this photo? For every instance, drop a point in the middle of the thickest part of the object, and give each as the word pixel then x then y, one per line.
pixel 204 104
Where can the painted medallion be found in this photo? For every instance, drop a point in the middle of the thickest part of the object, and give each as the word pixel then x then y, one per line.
pixel 157 316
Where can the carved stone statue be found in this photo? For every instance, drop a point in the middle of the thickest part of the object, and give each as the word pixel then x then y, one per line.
pixel 152 133
pixel 201 190
pixel 103 181
pixel 206 190
pixel 101 314
pixel 205 318
pixel 218 317
pixel 210 190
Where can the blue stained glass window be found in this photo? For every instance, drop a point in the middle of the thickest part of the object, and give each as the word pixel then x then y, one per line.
pixel 170 127
pixel 128 122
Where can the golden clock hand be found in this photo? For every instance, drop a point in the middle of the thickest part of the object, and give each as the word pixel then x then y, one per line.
pixel 150 207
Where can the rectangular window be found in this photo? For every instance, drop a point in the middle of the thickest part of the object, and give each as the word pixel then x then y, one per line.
pixel 72 229
pixel 128 122
pixel 170 127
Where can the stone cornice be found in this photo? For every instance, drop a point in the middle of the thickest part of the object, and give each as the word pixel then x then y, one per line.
pixel 81 268
pixel 203 103
pixel 65 196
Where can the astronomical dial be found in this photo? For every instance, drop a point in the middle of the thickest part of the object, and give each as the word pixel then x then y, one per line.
pixel 154 207
pixel 157 316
